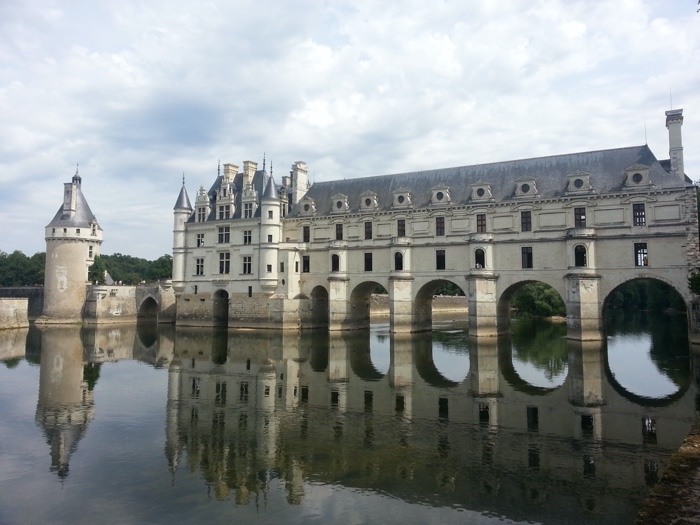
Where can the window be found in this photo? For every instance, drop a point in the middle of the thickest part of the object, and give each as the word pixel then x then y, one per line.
pixel 368 230
pixel 244 391
pixel 439 259
pixel 199 266
pixel 247 236
pixel 401 228
pixel 296 266
pixel 224 234
pixel 533 419
pixel 641 255
pixel 481 223
pixel 440 226
pixel 526 252
pixel 200 240
pixel 580 217
pixel 306 263
pixel 247 210
pixel 225 262
pixel 269 238
pixel 649 431
pixel 368 262
pixel 250 294
pixel 270 214
pixel 306 234
pixel 281 267
pixel 479 258
pixel 247 264
pixel 77 231
pixel 398 261
pixel 269 268
pixel 338 232
pixel 94 230
pixel 90 252
pixel 201 214
pixel 220 393
pixel 580 256
pixel 639 214
pixel 335 263
pixel 526 221
pixel 224 212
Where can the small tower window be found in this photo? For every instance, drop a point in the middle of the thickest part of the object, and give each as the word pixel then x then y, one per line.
pixel 580 255
pixel 398 261
pixel 480 258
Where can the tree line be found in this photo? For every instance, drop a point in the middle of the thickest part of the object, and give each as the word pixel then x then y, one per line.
pixel 17 269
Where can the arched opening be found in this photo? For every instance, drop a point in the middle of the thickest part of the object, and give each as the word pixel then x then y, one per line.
pixel 335 263
pixel 529 299
pixel 148 310
pixel 646 325
pixel 369 302
pixel 398 261
pixel 441 300
pixel 220 308
pixel 319 307
pixel 580 256
pixel 479 258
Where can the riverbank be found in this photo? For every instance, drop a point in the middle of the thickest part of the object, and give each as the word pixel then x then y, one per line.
pixel 676 497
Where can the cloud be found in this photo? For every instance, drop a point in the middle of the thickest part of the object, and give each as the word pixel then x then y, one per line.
pixel 140 93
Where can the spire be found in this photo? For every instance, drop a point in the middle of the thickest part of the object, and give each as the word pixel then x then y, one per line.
pixel 183 200
pixel 271 192
pixel 76 178
pixel 218 170
pixel 263 161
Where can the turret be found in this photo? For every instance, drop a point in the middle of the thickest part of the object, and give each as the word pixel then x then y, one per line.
pixel 73 240
pixel 674 121
pixel 270 231
pixel 181 213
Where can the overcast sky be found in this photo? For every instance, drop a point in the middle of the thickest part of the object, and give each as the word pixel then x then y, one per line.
pixel 138 92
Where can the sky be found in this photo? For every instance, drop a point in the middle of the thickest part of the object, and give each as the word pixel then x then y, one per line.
pixel 139 93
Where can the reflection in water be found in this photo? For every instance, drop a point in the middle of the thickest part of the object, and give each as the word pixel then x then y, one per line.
pixel 267 418
pixel 540 352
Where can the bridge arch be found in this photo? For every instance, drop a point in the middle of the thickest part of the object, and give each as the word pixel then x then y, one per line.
pixel 319 307
pixel 423 303
pixel 359 304
pixel 504 303
pixel 220 308
pixel 618 286
pixel 148 309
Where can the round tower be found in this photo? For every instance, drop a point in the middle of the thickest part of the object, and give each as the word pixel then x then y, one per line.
pixel 270 231
pixel 181 214
pixel 73 240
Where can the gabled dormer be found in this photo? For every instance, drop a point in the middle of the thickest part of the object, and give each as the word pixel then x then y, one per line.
pixel 401 198
pixel 637 176
pixel 440 195
pixel 307 206
pixel 526 187
pixel 339 203
pixel 481 192
pixel 202 205
pixel 368 201
pixel 579 182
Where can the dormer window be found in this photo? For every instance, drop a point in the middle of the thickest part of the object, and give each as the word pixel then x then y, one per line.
pixel 307 206
pixel 525 187
pixel 579 182
pixel 440 195
pixel 368 201
pixel 637 175
pixel 402 198
pixel 481 191
pixel 340 203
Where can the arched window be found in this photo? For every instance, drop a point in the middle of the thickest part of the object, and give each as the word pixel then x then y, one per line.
pixel 335 262
pixel 580 256
pixel 398 261
pixel 480 258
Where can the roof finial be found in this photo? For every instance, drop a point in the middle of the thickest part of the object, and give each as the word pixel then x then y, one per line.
pixel 263 161
pixel 77 165
pixel 270 168
pixel 183 178
pixel 218 169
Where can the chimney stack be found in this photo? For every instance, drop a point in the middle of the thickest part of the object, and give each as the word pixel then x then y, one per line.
pixel 674 121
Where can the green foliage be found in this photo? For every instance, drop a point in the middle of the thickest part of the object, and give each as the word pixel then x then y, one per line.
pixel 91 373
pixel 538 300
pixel 448 288
pixel 16 269
pixel 694 283
pixel 96 273
pixel 645 294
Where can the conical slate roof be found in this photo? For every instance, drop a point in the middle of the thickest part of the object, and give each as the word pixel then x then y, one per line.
pixel 271 192
pixel 82 217
pixel 183 200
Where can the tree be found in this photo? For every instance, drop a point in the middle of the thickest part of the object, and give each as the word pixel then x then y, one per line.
pixel 538 300
pixel 96 273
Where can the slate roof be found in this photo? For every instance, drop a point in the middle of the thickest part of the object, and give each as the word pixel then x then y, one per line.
pixel 183 200
pixel 606 169
pixel 261 181
pixel 82 217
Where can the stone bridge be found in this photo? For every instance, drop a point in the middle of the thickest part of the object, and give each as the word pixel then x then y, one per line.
pixel 128 304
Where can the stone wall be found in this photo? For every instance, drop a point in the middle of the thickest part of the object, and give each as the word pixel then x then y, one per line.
pixel 13 313
pixel 34 294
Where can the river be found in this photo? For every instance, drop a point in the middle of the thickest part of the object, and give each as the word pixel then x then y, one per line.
pixel 127 424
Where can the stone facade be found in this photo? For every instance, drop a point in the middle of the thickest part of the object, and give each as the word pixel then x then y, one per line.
pixel 13 313
pixel 251 253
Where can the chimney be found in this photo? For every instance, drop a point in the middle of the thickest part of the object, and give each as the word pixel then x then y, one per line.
pixel 230 171
pixel 674 121
pixel 300 180
pixel 249 168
